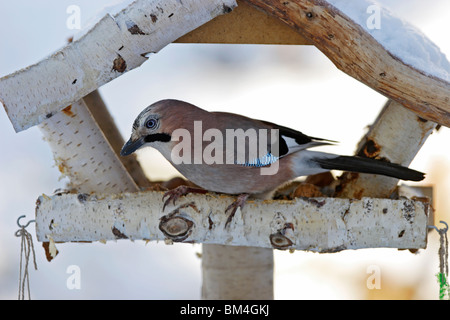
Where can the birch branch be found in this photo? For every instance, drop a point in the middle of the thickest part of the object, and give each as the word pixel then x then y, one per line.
pixel 112 47
pixel 83 154
pixel 396 136
pixel 107 126
pixel 313 224
pixel 356 52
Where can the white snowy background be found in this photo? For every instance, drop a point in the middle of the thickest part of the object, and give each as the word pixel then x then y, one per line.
pixel 295 86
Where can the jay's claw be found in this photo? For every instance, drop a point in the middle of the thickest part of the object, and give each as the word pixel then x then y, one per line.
pixel 178 192
pixel 238 203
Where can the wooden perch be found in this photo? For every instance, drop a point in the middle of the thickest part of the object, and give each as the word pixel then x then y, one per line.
pixel 357 53
pixel 112 47
pixel 314 224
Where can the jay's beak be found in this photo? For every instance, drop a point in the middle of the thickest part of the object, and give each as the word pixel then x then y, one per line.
pixel 131 146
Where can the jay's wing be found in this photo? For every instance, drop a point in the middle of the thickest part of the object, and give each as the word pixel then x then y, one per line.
pixel 279 143
pixel 291 140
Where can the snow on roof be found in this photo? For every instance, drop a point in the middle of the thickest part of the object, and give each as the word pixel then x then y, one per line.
pixel 397 36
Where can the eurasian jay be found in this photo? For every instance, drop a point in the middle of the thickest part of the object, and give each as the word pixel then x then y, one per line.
pixel 201 146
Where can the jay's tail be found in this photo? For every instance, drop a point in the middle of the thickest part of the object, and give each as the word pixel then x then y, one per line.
pixel 366 165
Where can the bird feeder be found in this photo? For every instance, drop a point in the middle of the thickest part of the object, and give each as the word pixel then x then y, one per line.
pixel 109 197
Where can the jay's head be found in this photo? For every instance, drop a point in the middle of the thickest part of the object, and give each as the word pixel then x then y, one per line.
pixel 153 127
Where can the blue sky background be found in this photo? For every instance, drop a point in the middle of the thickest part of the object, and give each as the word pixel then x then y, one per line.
pixel 295 86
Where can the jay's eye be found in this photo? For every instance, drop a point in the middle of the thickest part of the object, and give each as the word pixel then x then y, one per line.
pixel 151 123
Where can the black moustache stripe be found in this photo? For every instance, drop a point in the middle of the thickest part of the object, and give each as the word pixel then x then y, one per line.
pixel 163 137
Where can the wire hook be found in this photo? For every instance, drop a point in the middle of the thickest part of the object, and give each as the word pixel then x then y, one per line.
pixel 24 226
pixel 443 230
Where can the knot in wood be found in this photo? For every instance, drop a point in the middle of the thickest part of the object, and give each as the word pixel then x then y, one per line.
pixel 280 241
pixel 370 149
pixel 176 228
pixel 119 64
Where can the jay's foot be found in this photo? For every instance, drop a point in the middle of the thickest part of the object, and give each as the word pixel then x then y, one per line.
pixel 238 203
pixel 179 191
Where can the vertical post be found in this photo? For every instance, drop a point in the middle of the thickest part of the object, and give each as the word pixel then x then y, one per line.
pixel 396 136
pixel 237 273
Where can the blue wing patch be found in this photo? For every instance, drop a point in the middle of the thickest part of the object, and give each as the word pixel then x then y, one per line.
pixel 263 161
